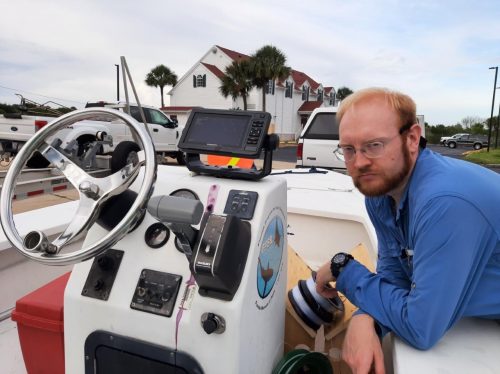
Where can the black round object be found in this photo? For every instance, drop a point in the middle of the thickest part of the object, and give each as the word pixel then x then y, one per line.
pixel 210 324
pixel 336 301
pixel 124 153
pixel 115 208
pixel 301 314
pixel 185 193
pixel 157 235
pixel 181 158
pixel 320 312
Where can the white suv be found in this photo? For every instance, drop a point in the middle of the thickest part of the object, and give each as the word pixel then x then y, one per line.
pixel 319 139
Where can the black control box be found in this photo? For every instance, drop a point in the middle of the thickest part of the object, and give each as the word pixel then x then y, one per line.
pixel 156 292
pixel 241 203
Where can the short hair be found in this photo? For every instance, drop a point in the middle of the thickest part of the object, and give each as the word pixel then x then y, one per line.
pixel 402 104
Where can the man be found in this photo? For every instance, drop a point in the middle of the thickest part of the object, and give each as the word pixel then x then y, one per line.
pixel 438 227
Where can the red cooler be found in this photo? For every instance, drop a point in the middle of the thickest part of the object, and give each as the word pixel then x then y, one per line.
pixel 40 324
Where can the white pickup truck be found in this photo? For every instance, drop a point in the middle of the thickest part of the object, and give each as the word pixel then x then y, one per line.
pixel 319 139
pixel 15 130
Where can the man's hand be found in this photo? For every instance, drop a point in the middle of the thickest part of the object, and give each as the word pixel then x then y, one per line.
pixel 362 349
pixel 323 278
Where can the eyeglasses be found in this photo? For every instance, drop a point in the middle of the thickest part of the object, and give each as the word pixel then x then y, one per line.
pixel 373 149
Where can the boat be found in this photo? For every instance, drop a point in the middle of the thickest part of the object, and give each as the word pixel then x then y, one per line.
pixel 192 275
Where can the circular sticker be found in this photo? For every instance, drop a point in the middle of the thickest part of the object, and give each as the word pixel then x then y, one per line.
pixel 271 252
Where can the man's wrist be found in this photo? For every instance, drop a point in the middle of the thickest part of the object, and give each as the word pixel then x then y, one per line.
pixel 338 262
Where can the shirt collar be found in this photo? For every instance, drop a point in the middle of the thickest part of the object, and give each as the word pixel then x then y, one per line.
pixel 404 197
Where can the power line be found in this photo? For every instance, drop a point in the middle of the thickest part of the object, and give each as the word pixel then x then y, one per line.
pixel 48 97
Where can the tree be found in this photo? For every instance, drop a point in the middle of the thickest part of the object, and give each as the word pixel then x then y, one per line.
pixel 343 92
pixel 267 64
pixel 237 81
pixel 161 76
pixel 469 121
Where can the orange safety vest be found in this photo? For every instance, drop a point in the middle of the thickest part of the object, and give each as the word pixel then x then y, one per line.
pixel 243 163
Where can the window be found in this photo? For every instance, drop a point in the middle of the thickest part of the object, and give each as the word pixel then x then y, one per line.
pixel 305 93
pixel 324 126
pixel 136 114
pixel 288 89
pixel 270 87
pixel 199 80
pixel 332 99
pixel 320 95
pixel 157 117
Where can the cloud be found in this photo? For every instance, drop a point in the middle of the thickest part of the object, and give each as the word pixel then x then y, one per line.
pixel 438 52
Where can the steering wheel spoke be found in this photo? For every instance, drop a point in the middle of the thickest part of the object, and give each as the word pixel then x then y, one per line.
pixel 121 180
pixel 85 216
pixel 73 173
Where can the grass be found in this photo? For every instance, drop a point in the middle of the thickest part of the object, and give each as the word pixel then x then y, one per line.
pixel 483 157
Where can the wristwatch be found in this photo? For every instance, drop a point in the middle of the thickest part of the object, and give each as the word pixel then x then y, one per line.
pixel 338 262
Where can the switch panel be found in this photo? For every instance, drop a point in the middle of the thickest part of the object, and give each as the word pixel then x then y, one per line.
pixel 102 274
pixel 241 204
pixel 156 292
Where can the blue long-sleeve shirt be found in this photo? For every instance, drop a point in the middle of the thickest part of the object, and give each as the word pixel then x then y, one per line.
pixel 439 252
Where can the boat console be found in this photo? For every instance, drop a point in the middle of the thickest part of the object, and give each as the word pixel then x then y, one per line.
pixel 193 276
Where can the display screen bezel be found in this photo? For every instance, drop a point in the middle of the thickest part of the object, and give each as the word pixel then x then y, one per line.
pixel 243 120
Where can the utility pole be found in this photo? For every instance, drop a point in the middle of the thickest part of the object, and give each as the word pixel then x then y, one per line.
pixel 498 126
pixel 117 82
pixel 492 106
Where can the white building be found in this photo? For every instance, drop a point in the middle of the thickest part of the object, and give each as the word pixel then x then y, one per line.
pixel 289 101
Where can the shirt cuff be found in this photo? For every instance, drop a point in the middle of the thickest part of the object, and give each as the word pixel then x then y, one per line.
pixel 346 284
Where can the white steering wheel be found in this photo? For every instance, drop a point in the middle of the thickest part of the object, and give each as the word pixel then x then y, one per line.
pixel 93 192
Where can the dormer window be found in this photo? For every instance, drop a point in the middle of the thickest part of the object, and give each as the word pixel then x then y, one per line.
pixel 332 99
pixel 320 95
pixel 305 93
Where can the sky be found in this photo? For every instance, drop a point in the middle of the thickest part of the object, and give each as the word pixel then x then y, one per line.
pixel 438 52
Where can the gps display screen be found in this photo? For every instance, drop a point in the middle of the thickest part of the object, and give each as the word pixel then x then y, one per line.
pixel 217 130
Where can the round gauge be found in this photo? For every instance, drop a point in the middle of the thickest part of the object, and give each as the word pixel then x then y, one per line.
pixel 157 235
pixel 185 193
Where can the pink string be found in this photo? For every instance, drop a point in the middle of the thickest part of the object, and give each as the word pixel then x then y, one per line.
pixel 211 200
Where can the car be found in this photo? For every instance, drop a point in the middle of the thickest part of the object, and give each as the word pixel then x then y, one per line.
pixel 319 139
pixel 475 141
pixel 443 139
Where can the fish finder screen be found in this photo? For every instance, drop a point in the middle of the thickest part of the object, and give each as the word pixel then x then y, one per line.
pixel 218 130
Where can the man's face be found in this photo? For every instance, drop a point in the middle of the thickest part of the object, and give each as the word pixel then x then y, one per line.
pixel 370 121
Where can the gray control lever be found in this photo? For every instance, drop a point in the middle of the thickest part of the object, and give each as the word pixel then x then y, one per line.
pixel 178 214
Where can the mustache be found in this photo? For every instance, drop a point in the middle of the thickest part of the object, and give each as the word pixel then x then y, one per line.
pixel 364 170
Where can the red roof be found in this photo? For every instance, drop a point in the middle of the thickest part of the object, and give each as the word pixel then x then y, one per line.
pixel 309 106
pixel 328 90
pixel 233 54
pixel 300 77
pixel 214 69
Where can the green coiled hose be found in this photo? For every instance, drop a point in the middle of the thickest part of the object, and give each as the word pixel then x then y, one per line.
pixel 293 361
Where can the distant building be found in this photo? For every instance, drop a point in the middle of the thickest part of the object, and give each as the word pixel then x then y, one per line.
pixel 289 101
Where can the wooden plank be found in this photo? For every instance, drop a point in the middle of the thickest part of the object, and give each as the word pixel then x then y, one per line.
pixel 328 340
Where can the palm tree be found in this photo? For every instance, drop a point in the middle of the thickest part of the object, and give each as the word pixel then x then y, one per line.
pixel 161 76
pixel 267 64
pixel 237 81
